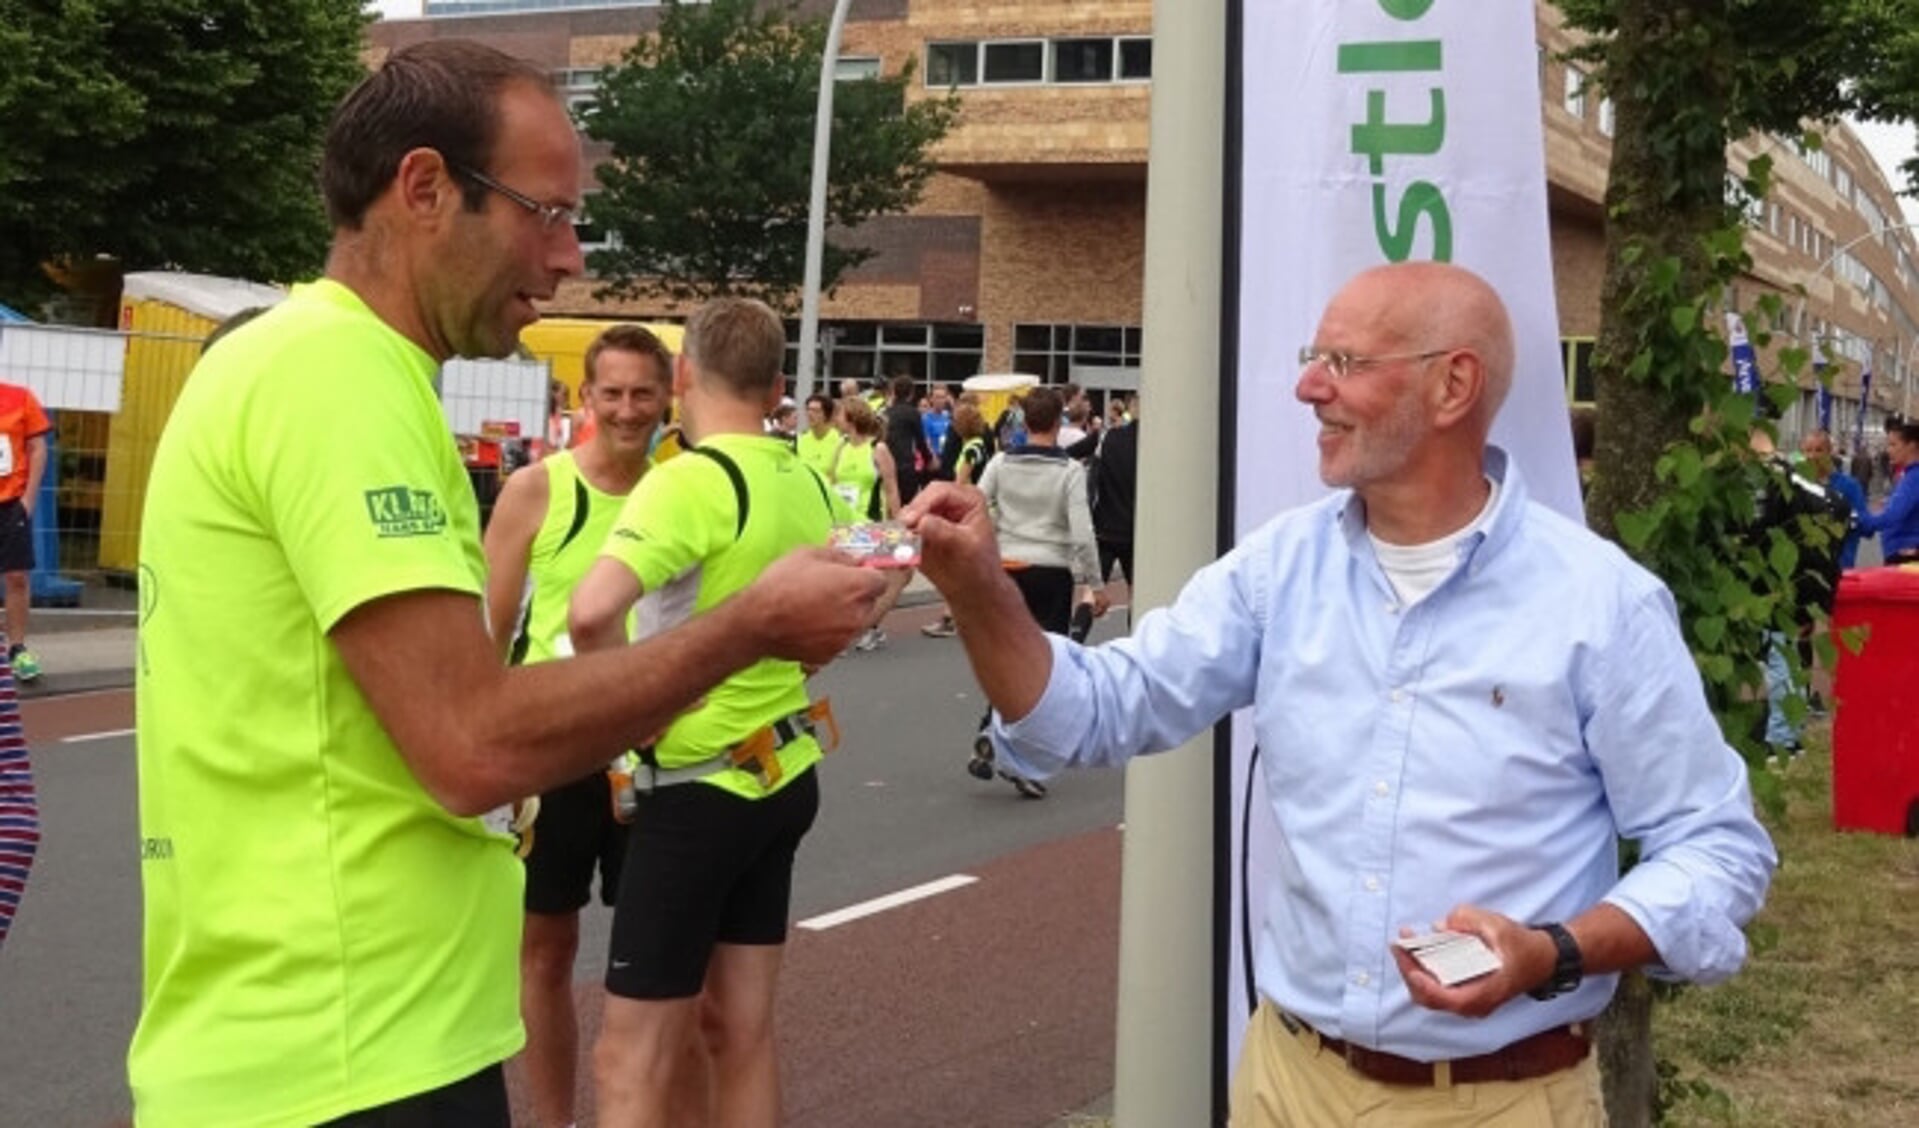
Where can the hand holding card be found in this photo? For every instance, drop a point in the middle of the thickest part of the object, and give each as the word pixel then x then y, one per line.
pixel 878 544
pixel 1451 957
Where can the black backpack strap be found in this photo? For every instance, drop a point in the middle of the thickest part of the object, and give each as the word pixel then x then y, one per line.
pixel 733 474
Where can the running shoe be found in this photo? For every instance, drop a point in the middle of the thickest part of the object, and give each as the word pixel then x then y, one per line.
pixel 981 765
pixel 942 629
pixel 1027 788
pixel 26 668
pixel 872 640
pixel 1082 623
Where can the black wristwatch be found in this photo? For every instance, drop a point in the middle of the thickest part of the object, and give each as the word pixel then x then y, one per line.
pixel 1568 970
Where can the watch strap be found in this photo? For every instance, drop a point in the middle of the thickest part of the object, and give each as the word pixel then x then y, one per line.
pixel 1569 968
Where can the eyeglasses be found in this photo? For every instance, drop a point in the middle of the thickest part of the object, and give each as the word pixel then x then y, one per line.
pixel 551 215
pixel 1340 365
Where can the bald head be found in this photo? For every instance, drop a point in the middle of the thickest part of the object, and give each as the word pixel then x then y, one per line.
pixel 1435 305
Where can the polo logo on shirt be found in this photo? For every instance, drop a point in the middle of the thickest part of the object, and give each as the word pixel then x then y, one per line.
pixel 401 511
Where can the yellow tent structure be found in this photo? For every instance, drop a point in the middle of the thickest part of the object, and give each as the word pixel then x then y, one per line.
pixel 562 342
pixel 167 314
pixel 996 390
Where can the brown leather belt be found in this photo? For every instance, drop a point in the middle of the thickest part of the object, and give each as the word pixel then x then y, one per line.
pixel 1548 1051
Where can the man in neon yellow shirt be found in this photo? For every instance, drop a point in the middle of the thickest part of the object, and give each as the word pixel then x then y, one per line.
pixel 708 877
pixel 547 528
pixel 331 932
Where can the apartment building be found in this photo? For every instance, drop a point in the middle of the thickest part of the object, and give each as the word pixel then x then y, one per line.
pixel 1027 251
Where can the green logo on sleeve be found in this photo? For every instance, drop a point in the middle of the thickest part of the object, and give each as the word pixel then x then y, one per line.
pixel 400 511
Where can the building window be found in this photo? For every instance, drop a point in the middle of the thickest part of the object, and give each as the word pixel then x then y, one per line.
pixel 1575 102
pixel 1079 354
pixel 1075 60
pixel 870 351
pixel 952 64
pixel 1577 359
pixel 852 68
pixel 1083 60
pixel 578 86
pixel 1014 61
pixel 1605 116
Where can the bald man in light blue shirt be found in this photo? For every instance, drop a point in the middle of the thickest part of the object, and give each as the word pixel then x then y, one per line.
pixel 1463 702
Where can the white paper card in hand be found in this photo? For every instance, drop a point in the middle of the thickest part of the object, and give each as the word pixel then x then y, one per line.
pixel 1451 957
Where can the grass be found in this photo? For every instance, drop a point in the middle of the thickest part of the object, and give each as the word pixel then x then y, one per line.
pixel 1822 1027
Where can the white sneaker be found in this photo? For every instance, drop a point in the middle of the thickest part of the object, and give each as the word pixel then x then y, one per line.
pixel 872 640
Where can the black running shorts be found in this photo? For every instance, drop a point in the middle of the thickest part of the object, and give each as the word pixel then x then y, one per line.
pixel 16 537
pixel 703 867
pixel 575 834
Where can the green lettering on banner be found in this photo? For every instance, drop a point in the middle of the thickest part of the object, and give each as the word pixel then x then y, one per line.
pixel 1421 199
pixel 1389 58
pixel 1405 9
pixel 1377 138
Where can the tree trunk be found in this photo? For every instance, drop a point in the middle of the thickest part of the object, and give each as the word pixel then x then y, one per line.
pixel 1626 1062
pixel 1665 193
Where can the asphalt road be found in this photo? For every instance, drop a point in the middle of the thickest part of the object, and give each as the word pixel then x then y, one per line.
pixel 990 1004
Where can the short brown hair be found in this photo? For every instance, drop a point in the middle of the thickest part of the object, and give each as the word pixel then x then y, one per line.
pixel 442 94
pixel 1041 406
pixel 860 416
pixel 739 342
pixel 633 339
pixel 968 421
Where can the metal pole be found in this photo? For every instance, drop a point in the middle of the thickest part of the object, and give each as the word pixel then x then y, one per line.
pixel 816 206
pixel 1164 1060
pixel 1799 315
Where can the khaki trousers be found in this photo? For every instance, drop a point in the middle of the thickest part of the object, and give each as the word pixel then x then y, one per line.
pixel 1285 1080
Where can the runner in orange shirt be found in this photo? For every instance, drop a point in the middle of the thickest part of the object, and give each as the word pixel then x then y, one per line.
pixel 23 459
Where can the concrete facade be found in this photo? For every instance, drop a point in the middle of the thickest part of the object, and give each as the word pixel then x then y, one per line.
pixel 1034 228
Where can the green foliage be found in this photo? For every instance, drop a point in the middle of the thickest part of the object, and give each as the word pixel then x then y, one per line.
pixel 168 133
pixel 1688 77
pixel 711 129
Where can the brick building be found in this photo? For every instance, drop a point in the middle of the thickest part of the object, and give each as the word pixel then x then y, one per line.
pixel 1027 251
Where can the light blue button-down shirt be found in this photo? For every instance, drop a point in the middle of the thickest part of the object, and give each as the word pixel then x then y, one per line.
pixel 1486 745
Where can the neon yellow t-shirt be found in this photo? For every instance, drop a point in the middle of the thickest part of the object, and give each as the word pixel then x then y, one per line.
pixel 817 451
pixel 683 535
pixel 321 936
pixel 856 478
pixel 578 518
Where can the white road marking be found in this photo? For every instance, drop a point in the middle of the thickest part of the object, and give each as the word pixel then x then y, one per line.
pixel 86 736
pixel 891 901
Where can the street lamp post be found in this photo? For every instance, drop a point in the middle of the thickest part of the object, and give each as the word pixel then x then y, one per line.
pixel 816 206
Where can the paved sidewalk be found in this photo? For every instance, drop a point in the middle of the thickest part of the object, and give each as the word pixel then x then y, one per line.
pixel 80 653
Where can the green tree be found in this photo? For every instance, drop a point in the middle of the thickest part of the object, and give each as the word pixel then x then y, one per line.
pixel 711 128
pixel 168 133
pixel 1673 479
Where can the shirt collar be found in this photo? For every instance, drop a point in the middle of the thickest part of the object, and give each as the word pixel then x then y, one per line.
pixel 1508 511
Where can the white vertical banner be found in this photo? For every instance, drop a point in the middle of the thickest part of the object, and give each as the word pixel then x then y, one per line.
pixel 1372 132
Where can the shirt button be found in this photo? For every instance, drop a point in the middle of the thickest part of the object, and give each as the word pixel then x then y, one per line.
pixel 1362 979
pixel 1372 885
pixel 1397 696
pixel 1380 789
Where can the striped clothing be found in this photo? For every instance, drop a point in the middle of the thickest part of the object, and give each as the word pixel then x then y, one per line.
pixel 19 813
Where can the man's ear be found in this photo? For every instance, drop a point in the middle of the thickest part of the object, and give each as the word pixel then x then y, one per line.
pixel 1460 387
pixel 424 185
pixel 682 374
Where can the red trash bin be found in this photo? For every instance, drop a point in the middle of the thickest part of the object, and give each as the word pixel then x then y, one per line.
pixel 1875 732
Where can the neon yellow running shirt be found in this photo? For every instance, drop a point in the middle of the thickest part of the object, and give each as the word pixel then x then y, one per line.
pixel 321 936
pixel 685 538
pixel 578 518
